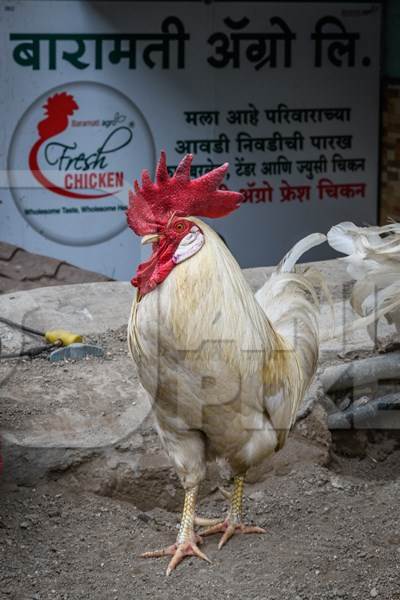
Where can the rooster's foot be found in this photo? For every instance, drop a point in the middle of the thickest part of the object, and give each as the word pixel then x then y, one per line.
pixel 233 522
pixel 187 543
pixel 228 529
pixel 178 551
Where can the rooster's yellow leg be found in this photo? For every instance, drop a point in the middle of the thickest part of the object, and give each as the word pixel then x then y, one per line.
pixel 233 523
pixel 187 541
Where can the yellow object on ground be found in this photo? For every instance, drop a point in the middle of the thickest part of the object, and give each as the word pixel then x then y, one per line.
pixel 66 337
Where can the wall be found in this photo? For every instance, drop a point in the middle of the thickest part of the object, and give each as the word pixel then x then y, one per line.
pixel 289 166
pixel 390 159
pixel 390 165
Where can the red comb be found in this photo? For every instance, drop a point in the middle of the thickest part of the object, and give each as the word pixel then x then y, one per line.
pixel 151 206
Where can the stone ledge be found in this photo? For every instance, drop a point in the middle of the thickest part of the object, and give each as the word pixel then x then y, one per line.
pixel 22 270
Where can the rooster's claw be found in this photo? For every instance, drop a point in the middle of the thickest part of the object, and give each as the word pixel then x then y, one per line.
pixel 229 529
pixel 178 553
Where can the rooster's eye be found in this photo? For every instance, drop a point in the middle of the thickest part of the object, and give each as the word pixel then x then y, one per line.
pixel 179 227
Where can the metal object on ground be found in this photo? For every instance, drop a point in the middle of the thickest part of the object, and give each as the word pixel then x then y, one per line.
pixel 76 352
pixel 381 413
pixel 361 372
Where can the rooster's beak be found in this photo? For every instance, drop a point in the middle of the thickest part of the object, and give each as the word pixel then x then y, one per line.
pixel 150 239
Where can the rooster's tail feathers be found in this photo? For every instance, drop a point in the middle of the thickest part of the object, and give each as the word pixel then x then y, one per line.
pixel 288 262
pixel 290 301
pixel 374 262
pixel 342 237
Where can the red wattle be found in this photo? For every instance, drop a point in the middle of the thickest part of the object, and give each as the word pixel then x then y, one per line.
pixel 152 272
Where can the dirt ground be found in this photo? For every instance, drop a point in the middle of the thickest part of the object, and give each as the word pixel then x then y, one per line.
pixel 329 536
pixel 332 529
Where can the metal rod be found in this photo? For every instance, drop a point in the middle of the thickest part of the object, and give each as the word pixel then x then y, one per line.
pixel 21 327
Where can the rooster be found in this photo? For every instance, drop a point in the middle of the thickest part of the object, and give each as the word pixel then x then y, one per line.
pixel 226 370
pixel 373 260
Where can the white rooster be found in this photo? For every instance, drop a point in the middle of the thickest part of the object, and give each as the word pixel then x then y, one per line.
pixel 226 370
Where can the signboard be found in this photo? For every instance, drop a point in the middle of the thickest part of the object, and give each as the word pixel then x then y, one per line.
pixel 287 93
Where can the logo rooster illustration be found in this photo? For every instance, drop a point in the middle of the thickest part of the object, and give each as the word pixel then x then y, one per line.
pixel 58 109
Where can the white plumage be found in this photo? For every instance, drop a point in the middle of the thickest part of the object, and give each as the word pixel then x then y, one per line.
pixel 227 370
pixel 373 260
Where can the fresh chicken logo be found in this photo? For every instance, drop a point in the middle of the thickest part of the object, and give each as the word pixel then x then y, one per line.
pixel 71 159
pixel 84 175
